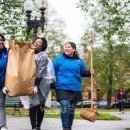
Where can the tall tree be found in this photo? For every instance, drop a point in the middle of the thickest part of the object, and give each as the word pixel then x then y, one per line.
pixel 110 22
pixel 12 18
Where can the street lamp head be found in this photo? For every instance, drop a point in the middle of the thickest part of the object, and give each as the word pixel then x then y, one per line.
pixel 29 5
pixel 42 4
pixel 35 23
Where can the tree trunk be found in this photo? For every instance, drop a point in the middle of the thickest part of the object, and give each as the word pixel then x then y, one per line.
pixel 109 90
pixel 110 76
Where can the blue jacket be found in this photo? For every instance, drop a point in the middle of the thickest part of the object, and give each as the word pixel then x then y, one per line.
pixel 3 64
pixel 68 73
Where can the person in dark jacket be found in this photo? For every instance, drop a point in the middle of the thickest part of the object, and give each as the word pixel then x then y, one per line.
pixel 69 69
pixel 121 98
pixel 3 64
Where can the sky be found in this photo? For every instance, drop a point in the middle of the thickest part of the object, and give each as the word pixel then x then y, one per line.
pixel 73 17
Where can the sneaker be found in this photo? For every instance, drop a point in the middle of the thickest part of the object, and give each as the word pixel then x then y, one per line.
pixel 4 128
pixel 122 112
pixel 67 128
pixel 38 128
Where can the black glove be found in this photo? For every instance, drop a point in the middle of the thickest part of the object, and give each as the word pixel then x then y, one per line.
pixel 37 81
pixel 86 74
pixel 52 85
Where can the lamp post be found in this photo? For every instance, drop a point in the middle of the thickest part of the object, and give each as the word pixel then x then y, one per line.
pixel 35 23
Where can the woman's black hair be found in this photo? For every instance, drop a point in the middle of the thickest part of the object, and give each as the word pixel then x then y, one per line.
pixel 44 43
pixel 3 38
pixel 75 55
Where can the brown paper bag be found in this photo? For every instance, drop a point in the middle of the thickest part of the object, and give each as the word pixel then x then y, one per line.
pixel 21 69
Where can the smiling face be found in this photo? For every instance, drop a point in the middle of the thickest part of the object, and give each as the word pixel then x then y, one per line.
pixel 38 45
pixel 69 50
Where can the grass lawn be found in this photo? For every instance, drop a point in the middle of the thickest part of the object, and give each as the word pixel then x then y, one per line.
pixel 103 116
pixel 55 113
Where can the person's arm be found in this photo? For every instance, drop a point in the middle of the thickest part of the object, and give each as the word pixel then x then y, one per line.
pixel 84 71
pixel 125 96
pixel 41 69
pixel 56 65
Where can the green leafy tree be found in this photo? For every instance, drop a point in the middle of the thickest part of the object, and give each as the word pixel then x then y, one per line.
pixel 110 23
pixel 12 18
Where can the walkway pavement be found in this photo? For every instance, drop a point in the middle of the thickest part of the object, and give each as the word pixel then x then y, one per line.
pixel 23 123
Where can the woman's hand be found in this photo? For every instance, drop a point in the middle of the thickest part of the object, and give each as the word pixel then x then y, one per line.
pixel 35 90
pixel 5 90
pixel 92 72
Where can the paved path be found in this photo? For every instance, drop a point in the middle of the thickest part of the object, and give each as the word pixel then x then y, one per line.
pixel 23 123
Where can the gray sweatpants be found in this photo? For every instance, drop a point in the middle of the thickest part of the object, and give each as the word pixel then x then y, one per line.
pixel 2 110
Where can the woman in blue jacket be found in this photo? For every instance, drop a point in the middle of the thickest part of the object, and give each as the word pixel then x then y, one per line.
pixel 3 64
pixel 69 69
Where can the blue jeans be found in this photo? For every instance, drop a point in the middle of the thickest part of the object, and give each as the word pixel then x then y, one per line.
pixel 2 109
pixel 67 112
pixel 121 106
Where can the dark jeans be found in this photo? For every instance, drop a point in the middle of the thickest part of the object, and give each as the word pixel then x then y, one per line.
pixel 36 116
pixel 67 112
pixel 121 106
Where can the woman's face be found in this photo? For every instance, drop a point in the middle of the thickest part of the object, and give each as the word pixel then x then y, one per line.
pixel 121 90
pixel 38 45
pixel 1 43
pixel 69 50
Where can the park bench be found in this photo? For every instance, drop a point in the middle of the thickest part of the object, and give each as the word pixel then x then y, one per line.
pixel 14 102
